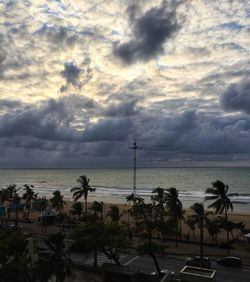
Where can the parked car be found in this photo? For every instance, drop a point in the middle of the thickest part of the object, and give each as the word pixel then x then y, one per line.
pixel 163 272
pixel 230 261
pixel 196 261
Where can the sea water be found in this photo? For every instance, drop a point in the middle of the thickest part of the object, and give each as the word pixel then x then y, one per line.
pixel 113 185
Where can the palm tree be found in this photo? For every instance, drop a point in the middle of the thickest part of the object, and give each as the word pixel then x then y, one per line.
pixel 159 199
pixel 130 198
pixel 191 224
pixel 222 203
pixel 97 207
pixel 11 191
pixel 77 209
pixel 174 206
pixel 199 218
pixel 114 213
pixel 57 201
pixel 82 191
pixel 16 201
pixel 213 227
pixel 28 196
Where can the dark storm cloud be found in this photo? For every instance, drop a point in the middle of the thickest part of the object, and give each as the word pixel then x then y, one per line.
pixel 71 73
pixel 9 104
pixel 50 121
pixel 108 130
pixel 76 76
pixel 123 109
pixel 63 120
pixel 237 97
pixel 191 134
pixel 149 33
pixel 194 134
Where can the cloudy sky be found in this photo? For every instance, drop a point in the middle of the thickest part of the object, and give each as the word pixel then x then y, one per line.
pixel 80 79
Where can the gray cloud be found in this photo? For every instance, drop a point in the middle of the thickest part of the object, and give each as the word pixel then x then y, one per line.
pixel 50 121
pixel 58 35
pixel 108 130
pixel 76 76
pixel 71 73
pixel 123 109
pixel 9 104
pixel 237 97
pixel 149 33
pixel 190 134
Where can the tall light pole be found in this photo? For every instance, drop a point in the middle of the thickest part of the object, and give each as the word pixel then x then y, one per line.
pixel 134 148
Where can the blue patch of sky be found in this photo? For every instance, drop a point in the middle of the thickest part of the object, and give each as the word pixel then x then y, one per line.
pixel 7 23
pixel 47 10
pixel 231 25
pixel 87 31
pixel 27 3
pixel 115 32
pixel 232 45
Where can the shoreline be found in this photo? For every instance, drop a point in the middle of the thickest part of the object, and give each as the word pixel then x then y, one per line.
pixel 234 215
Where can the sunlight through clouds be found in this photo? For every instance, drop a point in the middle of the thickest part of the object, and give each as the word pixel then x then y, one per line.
pixel 172 73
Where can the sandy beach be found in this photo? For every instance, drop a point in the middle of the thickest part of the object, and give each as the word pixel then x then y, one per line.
pixel 185 249
pixel 35 227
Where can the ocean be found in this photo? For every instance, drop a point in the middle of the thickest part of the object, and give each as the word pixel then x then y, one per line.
pixel 113 185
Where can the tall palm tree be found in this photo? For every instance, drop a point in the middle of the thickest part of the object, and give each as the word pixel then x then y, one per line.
pixel 159 199
pixel 57 201
pixel 16 201
pixel 199 218
pixel 175 210
pixel 28 196
pixel 222 203
pixel 82 191
pixel 11 192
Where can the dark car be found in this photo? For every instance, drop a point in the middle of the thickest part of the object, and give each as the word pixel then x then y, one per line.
pixel 230 261
pixel 197 262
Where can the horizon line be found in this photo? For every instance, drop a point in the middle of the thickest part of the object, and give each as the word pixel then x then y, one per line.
pixel 125 167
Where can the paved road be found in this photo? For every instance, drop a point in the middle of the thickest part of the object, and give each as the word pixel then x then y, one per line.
pixel 81 259
pixel 146 265
pixel 223 274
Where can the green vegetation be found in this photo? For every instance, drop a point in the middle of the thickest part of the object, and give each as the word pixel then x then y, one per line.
pixel 219 193
pixel 83 191
pixel 175 210
pixel 28 196
pixel 199 218
pixel 152 224
pixel 57 201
